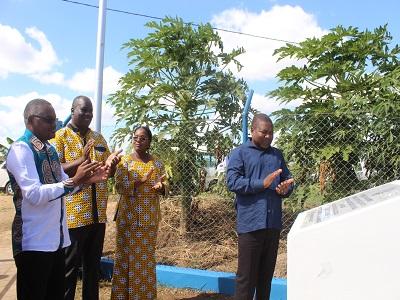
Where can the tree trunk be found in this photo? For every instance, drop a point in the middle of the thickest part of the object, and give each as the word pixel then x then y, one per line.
pixel 186 216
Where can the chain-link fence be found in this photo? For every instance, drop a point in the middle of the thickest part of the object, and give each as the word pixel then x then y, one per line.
pixel 329 157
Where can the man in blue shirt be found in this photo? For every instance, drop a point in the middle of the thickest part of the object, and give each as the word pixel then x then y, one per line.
pixel 258 175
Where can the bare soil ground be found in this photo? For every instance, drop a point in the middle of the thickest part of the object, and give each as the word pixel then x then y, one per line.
pixel 6 218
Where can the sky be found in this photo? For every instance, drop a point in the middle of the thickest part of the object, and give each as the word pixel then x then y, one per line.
pixel 48 47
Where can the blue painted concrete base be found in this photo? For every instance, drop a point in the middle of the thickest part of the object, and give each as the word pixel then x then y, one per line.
pixel 202 280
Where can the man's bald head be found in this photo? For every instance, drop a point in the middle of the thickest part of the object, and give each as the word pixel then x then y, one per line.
pixel 82 113
pixel 34 107
pixel 260 117
pixel 80 99
pixel 262 131
pixel 40 119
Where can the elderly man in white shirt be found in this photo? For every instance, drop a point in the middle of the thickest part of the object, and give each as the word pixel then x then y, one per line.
pixel 39 231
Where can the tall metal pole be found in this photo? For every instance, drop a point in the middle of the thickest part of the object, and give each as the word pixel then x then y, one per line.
pixel 101 28
pixel 245 116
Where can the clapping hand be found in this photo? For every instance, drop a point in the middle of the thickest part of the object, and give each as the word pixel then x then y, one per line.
pixel 86 170
pixel 113 159
pixel 271 177
pixel 99 175
pixel 283 187
pixel 86 150
pixel 159 186
pixel 147 175
pixel 144 178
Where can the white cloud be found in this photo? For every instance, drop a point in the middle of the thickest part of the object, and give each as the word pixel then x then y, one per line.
pixel 268 105
pixel 50 78
pixel 12 108
pixel 85 81
pixel 290 23
pixel 17 55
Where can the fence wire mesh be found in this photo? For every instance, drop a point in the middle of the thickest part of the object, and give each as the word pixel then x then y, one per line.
pixel 330 158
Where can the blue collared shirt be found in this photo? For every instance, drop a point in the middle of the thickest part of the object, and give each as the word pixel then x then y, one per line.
pixel 257 207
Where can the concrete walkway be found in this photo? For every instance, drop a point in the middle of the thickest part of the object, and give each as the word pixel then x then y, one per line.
pixel 8 272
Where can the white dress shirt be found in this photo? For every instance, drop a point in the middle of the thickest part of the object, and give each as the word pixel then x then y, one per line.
pixel 41 203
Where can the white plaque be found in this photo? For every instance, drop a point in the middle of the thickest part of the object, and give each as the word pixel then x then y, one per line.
pixel 348 249
pixel 351 203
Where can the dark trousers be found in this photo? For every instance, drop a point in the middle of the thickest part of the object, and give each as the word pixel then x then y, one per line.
pixel 256 263
pixel 85 250
pixel 40 275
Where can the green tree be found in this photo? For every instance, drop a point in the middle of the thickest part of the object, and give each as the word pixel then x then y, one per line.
pixel 180 86
pixel 348 83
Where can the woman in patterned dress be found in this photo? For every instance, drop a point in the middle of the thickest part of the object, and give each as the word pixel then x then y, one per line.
pixel 139 180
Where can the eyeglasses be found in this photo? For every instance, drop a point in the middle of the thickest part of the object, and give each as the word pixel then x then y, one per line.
pixel 47 120
pixel 140 139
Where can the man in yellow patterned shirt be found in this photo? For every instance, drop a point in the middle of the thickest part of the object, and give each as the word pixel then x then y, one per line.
pixel 86 210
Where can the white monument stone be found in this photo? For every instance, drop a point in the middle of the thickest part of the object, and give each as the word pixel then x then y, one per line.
pixel 348 249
